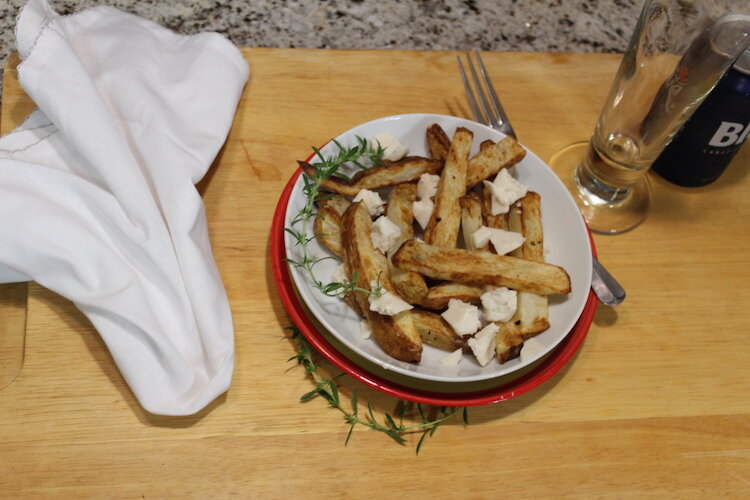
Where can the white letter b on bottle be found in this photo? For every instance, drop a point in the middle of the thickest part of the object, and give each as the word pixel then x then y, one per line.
pixel 727 134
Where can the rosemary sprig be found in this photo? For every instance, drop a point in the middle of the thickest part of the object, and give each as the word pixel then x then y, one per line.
pixel 328 390
pixel 353 155
pixel 325 168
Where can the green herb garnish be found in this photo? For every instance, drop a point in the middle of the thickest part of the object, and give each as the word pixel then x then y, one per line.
pixel 326 168
pixel 328 390
pixel 353 155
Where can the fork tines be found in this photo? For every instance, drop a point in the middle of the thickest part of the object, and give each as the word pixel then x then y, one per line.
pixel 492 113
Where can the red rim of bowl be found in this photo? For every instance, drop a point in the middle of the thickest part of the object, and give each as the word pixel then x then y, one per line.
pixel 554 362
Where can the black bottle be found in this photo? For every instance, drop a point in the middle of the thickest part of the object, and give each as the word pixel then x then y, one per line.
pixel 707 143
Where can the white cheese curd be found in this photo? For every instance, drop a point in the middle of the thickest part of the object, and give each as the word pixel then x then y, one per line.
pixel 372 201
pixel 339 274
pixel 453 358
pixel 531 349
pixel 503 241
pixel 423 211
pixel 365 329
pixel 481 236
pixel 463 317
pixel 483 344
pixel 427 186
pixel 499 303
pixel 505 191
pixel 385 234
pixel 394 150
pixel 387 304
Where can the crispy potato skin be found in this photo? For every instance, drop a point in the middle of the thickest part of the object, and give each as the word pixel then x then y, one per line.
pixel 396 335
pixel 439 296
pixel 529 210
pixel 399 208
pixel 499 221
pixel 471 218
pixel 508 347
pixel 481 268
pixel 410 285
pixel 335 202
pixel 442 230
pixel 327 227
pixel 438 142
pixel 485 144
pixel 405 170
pixel 493 158
pixel 532 311
pixel 435 331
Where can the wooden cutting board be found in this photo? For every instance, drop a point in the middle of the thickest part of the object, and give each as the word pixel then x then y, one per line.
pixel 653 405
pixel 12 296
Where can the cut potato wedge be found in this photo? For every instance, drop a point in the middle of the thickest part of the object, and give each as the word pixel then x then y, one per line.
pixel 439 296
pixel 327 227
pixel 396 335
pixel 405 170
pixel 492 159
pixel 438 142
pixel 471 219
pixel 442 230
pixel 410 285
pixel 481 268
pixel 532 310
pixel 436 332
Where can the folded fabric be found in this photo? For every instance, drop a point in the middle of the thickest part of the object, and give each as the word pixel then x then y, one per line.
pixel 97 195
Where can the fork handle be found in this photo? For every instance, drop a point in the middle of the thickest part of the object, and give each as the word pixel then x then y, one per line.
pixel 605 286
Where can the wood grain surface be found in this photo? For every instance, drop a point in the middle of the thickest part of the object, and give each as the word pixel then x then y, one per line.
pixel 656 404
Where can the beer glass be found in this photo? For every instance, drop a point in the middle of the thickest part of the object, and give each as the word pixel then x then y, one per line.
pixel 678 52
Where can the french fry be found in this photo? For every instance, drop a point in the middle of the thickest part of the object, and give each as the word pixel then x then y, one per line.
pixel 490 160
pixel 485 144
pixel 439 296
pixel 532 310
pixel 471 219
pixel 435 331
pixel 410 285
pixel 442 230
pixel 396 335
pixel 405 170
pixel 507 347
pixel 349 298
pixel 529 210
pixel 499 221
pixel 481 268
pixel 438 142
pixel 531 317
pixel 336 202
pixel 327 227
pixel 399 208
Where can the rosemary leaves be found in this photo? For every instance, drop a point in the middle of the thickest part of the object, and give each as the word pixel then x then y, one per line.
pixel 392 427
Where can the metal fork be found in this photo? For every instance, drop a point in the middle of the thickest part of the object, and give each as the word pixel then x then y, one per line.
pixel 492 114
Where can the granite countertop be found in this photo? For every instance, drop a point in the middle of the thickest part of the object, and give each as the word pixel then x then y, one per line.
pixel 498 25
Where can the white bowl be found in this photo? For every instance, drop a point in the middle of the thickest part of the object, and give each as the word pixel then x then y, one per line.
pixel 566 242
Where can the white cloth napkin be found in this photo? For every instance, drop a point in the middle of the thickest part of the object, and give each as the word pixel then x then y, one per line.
pixel 97 196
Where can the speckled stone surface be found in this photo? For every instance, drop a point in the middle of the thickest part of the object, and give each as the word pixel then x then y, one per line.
pixel 498 25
